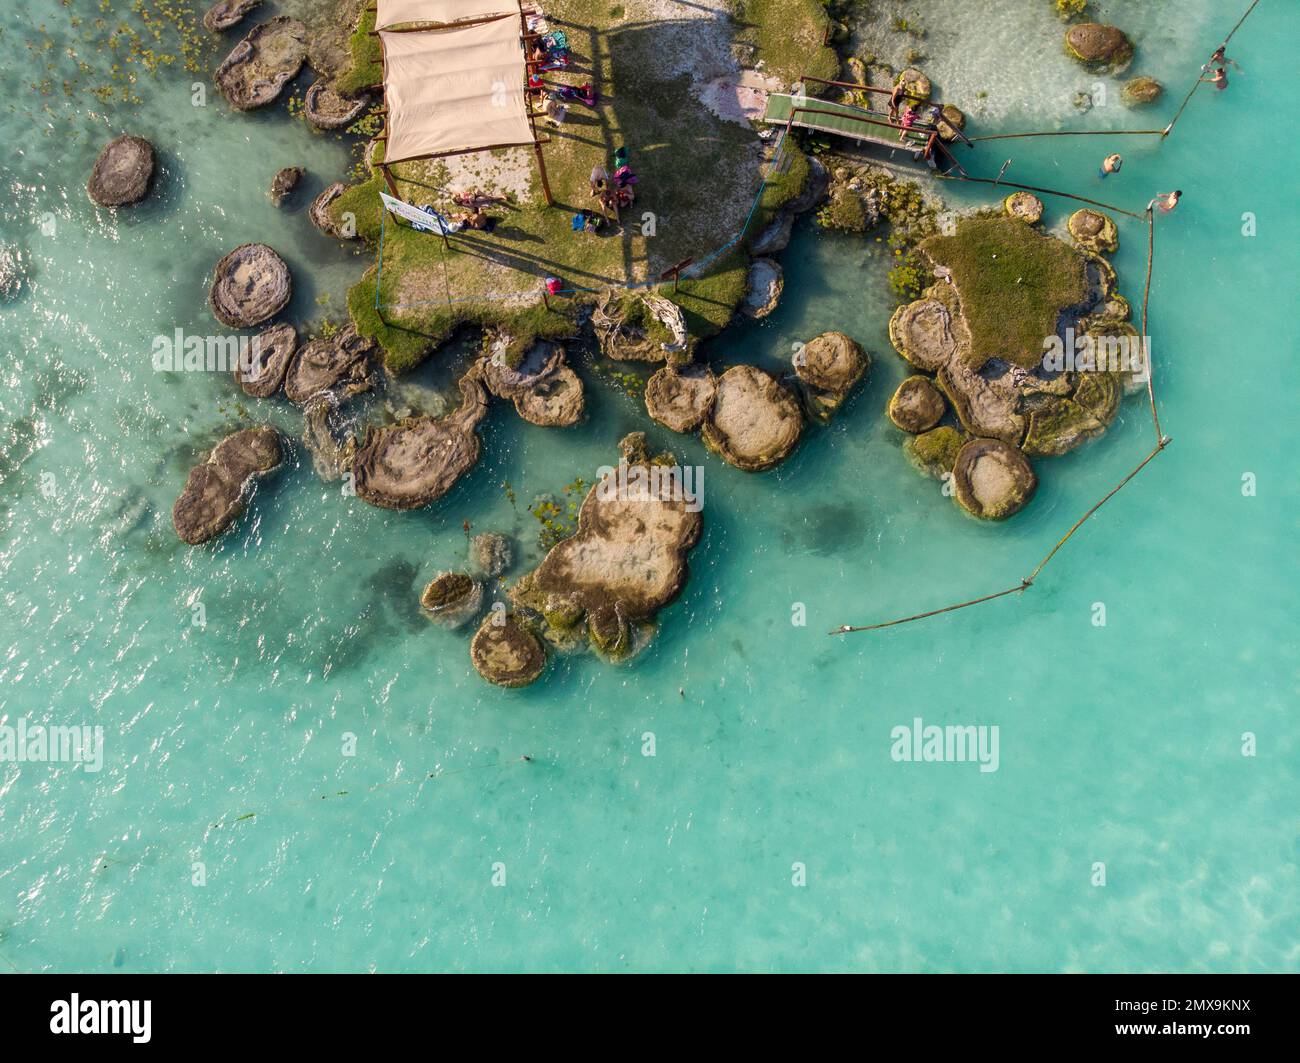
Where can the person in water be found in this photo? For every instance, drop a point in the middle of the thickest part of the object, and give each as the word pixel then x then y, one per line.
pixel 1111 164
pixel 1219 79
pixel 1166 201
pixel 1219 59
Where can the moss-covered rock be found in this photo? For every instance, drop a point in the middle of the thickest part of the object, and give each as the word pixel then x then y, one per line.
pixel 1059 426
pixel 953 118
pixel 935 452
pixel 917 405
pixel 452 598
pixel 916 84
pixel 1140 91
pixel 1098 47
pixel 1024 205
pixel 1093 230
pixel 505 652
pixel 992 480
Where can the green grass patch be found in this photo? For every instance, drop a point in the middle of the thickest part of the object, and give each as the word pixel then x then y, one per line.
pixel 788 36
pixel 367 60
pixel 1013 283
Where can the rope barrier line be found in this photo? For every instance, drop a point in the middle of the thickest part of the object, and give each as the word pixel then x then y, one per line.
pixel 1077 133
pixel 1043 191
pixel 1146 296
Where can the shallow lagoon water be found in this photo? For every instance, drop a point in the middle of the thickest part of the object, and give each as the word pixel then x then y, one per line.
pixel 1119 744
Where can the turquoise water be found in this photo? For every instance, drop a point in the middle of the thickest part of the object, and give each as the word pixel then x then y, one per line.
pixel 1119 744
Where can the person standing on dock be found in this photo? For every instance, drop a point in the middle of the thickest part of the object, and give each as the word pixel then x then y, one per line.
pixel 1111 164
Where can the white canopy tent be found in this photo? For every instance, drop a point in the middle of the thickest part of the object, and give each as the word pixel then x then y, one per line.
pixel 397 12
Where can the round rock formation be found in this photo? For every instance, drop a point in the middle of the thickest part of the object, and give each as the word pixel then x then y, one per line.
pixel 257 70
pixel 505 652
pixel 755 422
pixel 917 405
pixel 123 172
pixel 262 371
pixel 680 398
pixel 216 490
pixel 992 480
pixel 249 286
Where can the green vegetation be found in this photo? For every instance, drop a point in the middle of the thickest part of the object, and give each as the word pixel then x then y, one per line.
pixel 698 176
pixel 367 64
pixel 788 37
pixel 1013 283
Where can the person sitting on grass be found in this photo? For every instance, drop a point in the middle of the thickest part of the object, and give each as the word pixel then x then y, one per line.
pixel 476 219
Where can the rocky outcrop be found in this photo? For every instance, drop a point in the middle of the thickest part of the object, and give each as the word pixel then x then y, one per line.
pixel 123 172
pixel 284 182
pixel 322 216
pixel 1140 91
pixel 680 397
pixel 338 364
pixel 262 372
pixel 626 560
pixel 853 203
pixel 410 464
pixel 490 554
pixel 327 108
pixel 923 333
pixel 1093 230
pixel 249 286
pixel 257 70
pixel 225 14
pixel 1099 48
pixel 755 422
pixel 217 490
pixel 953 119
pixel 814 190
pixel 330 445
pixel 775 237
pixel 992 480
pixel 917 405
pixel 916 84
pixel 544 390
pixel 452 599
pixel 985 407
pixel 1024 205
pixel 763 288
pixel 505 652
pixel 645 328
pixel 829 366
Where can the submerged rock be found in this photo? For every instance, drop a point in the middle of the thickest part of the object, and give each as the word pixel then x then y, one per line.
pixel 1098 47
pixel 216 490
pixel 680 397
pixel 1024 205
pixel 1093 230
pixel 327 108
pixel 268 361
pixel 625 562
pixel 505 652
pixel 1140 91
pixel 123 172
pixel 917 405
pixel 452 598
pixel 992 480
pixel 249 286
pixel 339 365
pixel 763 288
pixel 490 554
pixel 755 422
pixel 284 182
pixel 257 70
pixel 829 366
pixel 418 460
pixel 11 271
pixel 331 451
pixel 227 13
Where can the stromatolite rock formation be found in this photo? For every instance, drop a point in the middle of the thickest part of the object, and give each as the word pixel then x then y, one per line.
pixel 414 462
pixel 227 13
pixel 917 405
pixel 1093 230
pixel 249 286
pixel 284 182
pixel 261 373
pixel 935 452
pixel 640 328
pixel 216 491
pixel 775 236
pixel 1140 91
pixel 625 562
pixel 915 83
pixel 763 288
pixel 327 108
pixel 490 554
pixel 829 366
pixel 123 172
pixel 1024 205
pixel 505 652
pixel 325 435
pixel 992 480
pixel 452 598
pixel 257 70
pixel 680 397
pixel 337 364
pixel 755 422
pixel 544 390
pixel 922 332
pixel 1099 48
pixel 322 214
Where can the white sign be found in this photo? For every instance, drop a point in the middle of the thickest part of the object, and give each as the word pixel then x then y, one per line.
pixel 426 220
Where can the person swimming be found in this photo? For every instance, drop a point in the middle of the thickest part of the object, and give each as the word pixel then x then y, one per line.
pixel 1219 79
pixel 1166 201
pixel 1111 164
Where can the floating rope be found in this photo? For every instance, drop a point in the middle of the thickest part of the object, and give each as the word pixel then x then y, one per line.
pixel 1077 133
pixel 1042 191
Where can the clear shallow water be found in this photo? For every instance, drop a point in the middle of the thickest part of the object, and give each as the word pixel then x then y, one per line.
pixel 1118 744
